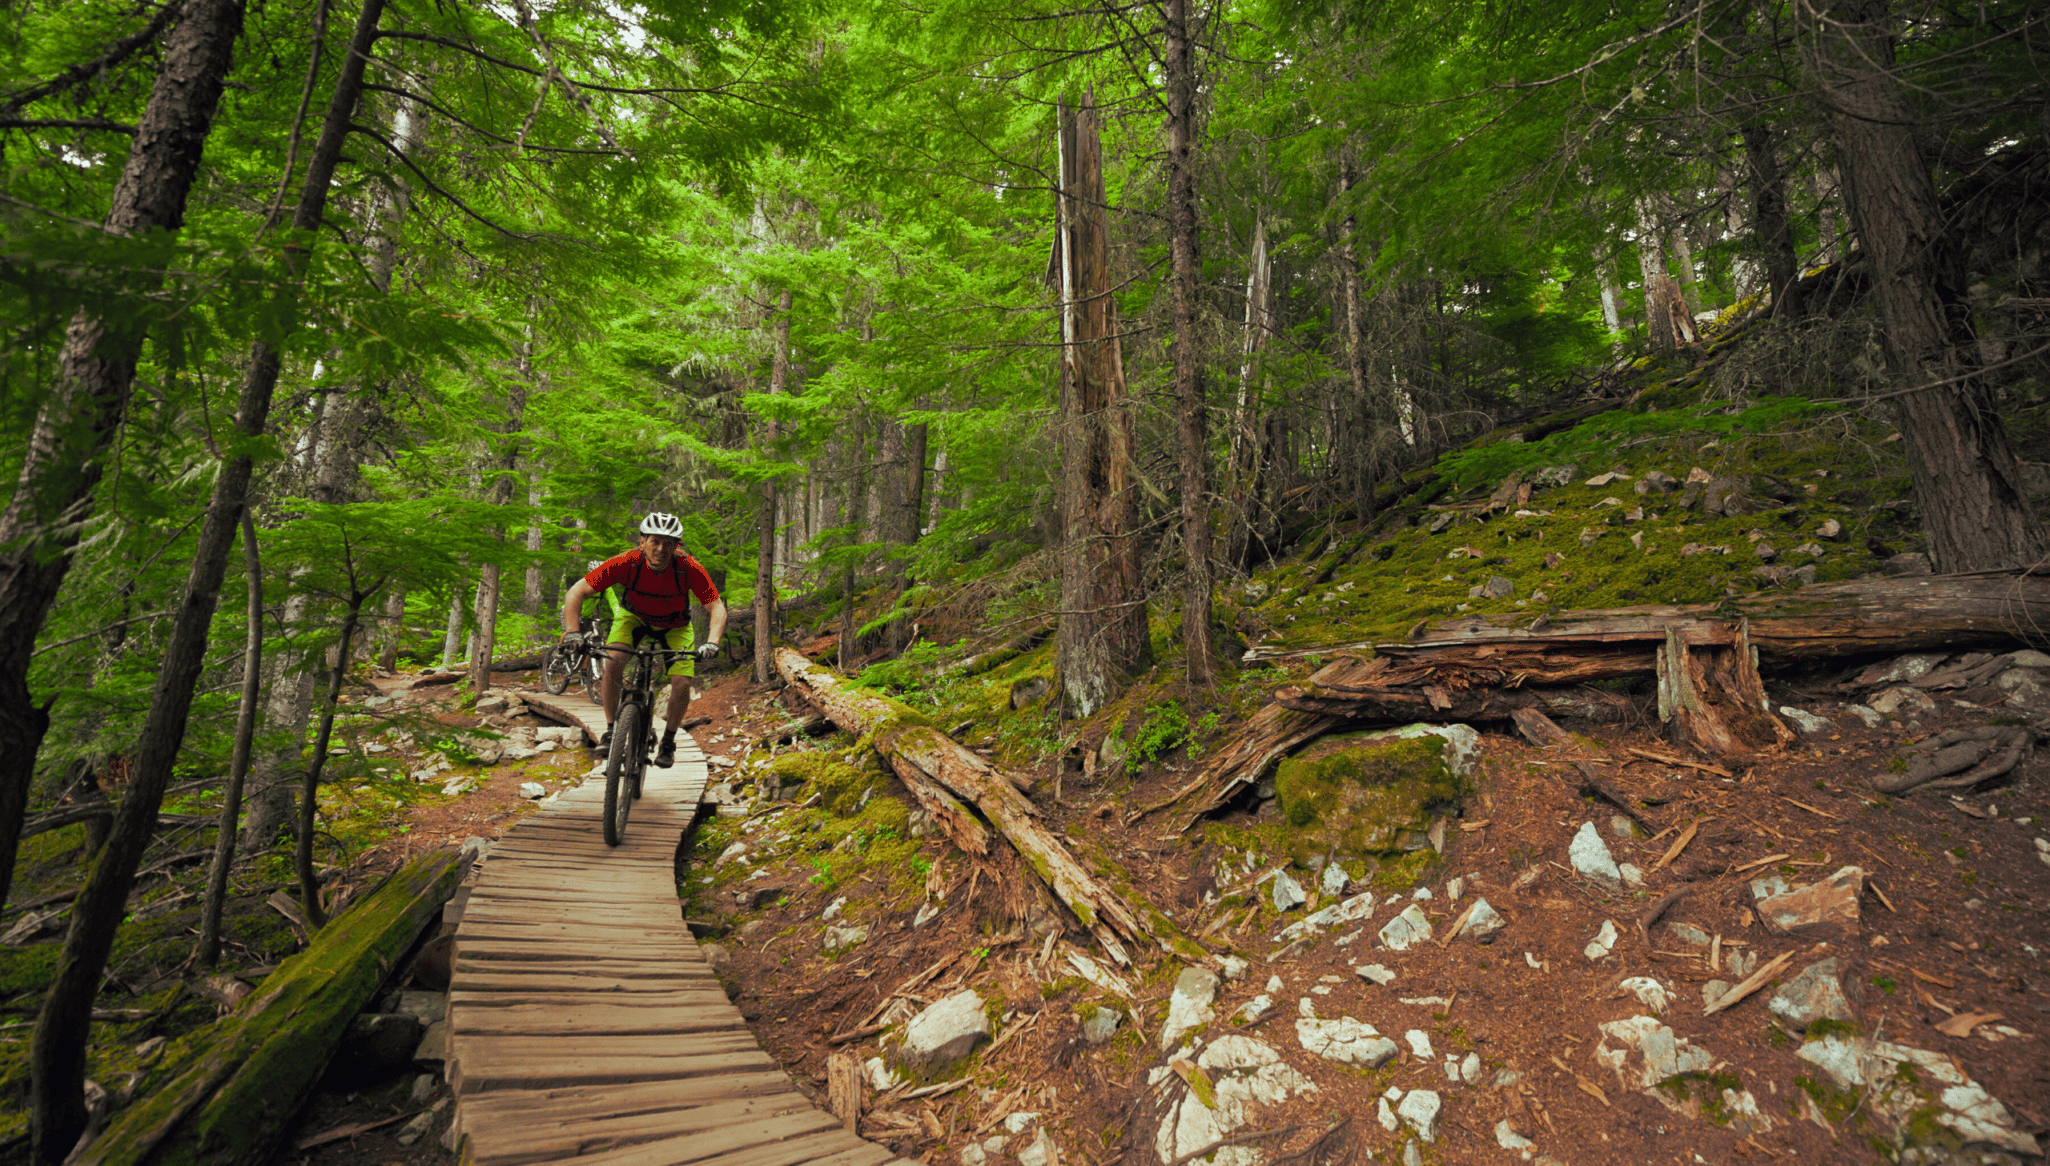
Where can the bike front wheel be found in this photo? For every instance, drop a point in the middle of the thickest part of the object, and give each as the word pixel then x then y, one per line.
pixel 623 769
pixel 555 673
pixel 591 673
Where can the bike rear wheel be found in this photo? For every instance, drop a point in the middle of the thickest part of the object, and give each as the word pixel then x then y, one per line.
pixel 623 769
pixel 556 672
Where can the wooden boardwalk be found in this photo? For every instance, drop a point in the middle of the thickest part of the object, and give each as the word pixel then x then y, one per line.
pixel 583 1022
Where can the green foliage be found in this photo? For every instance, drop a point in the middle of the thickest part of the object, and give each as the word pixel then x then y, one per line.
pixel 1166 726
pixel 1606 435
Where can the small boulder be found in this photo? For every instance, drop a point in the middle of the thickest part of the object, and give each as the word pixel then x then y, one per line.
pixel 1189 1008
pixel 1407 929
pixel 1603 942
pixel 1287 894
pixel 1904 701
pixel 1724 496
pixel 1815 994
pixel 1831 529
pixel 1419 1110
pixel 532 789
pixel 944 1033
pixel 1605 479
pixel 1590 856
pixel 1555 475
pixel 1649 992
pixel 1483 921
pixel 1807 722
pixel 1333 881
pixel 1374 794
pixel 1099 1024
pixel 1498 587
pixel 1029 691
pixel 1827 909
pixel 1656 482
pixel 2025 686
pixel 842 938
pixel 1376 973
pixel 1346 1040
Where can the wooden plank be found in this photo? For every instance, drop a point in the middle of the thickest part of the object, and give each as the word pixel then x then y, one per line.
pixel 834 1146
pixel 588 1102
pixel 482 1001
pixel 709 1013
pixel 733 1122
pixel 483 1067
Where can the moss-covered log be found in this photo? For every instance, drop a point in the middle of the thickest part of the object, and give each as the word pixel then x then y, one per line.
pixel 937 770
pixel 245 1077
pixel 1488 667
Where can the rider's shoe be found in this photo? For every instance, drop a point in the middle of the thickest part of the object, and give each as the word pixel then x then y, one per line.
pixel 665 756
pixel 605 740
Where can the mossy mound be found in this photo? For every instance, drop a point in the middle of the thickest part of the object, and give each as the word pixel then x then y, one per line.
pixel 842 787
pixel 1366 796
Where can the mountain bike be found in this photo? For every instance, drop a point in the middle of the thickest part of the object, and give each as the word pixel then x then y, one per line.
pixel 583 660
pixel 633 729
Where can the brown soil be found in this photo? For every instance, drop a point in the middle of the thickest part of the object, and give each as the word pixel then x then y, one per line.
pixel 1955 923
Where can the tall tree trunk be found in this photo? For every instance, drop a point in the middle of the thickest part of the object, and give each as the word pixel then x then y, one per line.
pixel 1245 479
pixel 309 793
pixel 530 595
pixel 910 504
pixel 1665 309
pixel 53 495
pixel 57 1113
pixel 504 463
pixel 1772 238
pixel 1192 422
pixel 454 636
pixel 765 514
pixel 208 950
pixel 1967 478
pixel 394 628
pixel 1828 192
pixel 1355 419
pixel 1103 636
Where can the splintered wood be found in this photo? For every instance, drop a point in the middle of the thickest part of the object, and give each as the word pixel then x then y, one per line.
pixel 582 1017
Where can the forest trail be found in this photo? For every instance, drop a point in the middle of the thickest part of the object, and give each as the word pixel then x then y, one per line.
pixel 583 1018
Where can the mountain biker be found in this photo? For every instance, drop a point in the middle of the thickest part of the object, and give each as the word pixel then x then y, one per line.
pixel 656 581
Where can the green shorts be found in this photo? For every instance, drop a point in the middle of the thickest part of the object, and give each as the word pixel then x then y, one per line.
pixel 674 639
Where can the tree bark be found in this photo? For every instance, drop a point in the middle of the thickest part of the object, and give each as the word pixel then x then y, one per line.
pixel 208 950
pixel 57 1114
pixel 504 462
pixel 53 495
pixel 937 769
pixel 1967 478
pixel 765 546
pixel 1246 477
pixel 1772 226
pixel 309 799
pixel 1665 309
pixel 1192 420
pixel 1103 636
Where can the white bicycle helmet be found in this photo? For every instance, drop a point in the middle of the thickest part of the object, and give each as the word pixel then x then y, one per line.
pixel 660 523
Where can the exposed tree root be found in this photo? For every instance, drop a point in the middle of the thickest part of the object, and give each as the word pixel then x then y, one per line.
pixel 1973 755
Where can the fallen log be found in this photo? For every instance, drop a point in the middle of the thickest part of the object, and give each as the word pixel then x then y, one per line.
pixel 1706 659
pixel 1011 649
pixel 246 1076
pixel 938 770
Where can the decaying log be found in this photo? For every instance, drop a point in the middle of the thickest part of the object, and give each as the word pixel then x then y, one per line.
pixel 937 770
pixel 1011 649
pixel 1706 659
pixel 233 1101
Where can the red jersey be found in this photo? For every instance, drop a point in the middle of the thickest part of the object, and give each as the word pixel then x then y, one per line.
pixel 660 598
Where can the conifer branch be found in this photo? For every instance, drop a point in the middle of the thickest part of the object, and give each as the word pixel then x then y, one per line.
pixel 116 53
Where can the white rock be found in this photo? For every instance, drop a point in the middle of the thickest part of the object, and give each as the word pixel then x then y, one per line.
pixel 1452 1068
pixel 1420 1109
pixel 1420 894
pixel 1470 1069
pixel 1040 1151
pixel 1018 1123
pixel 973 1155
pixel 1903 701
pixel 1389 1121
pixel 1274 983
pixel 1419 1043
pixel 943 1033
pixel 1453 889
pixel 881 1077
pixel 1256 1008
pixel 1189 1007
pixel 457 786
pixel 833 909
pixel 1604 940
pixel 1483 921
pixel 2028 658
pixel 1246 1074
pixel 1286 892
pixel 1376 973
pixel 1407 929
pixel 1466 743
pixel 1345 1039
pixel 1649 992
pixel 1357 907
pixel 1590 856
pixel 842 938
pixel 1334 879
pixel 532 789
pixel 1232 967
pixel 1961 1103
pixel 1805 721
pixel 1505 1137
pixel 1871 716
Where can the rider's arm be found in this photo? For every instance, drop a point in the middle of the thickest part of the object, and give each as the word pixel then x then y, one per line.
pixel 572 605
pixel 715 627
